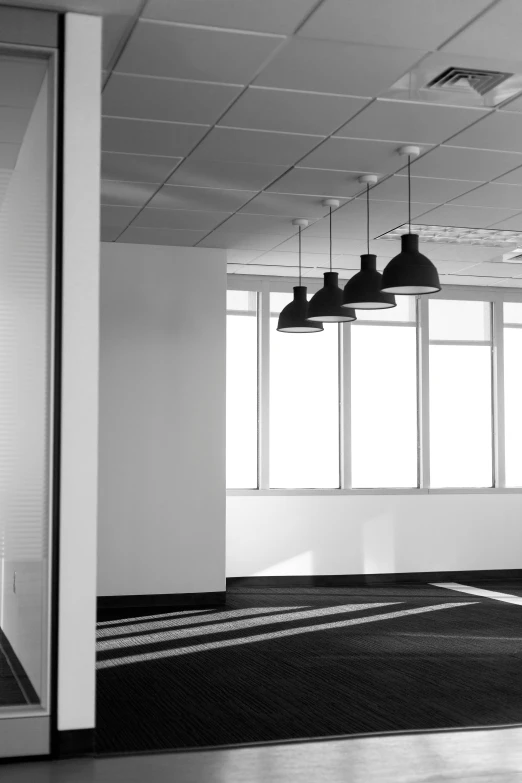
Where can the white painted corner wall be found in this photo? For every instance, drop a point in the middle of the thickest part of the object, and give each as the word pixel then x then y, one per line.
pixel 372 534
pixel 162 420
pixel 79 414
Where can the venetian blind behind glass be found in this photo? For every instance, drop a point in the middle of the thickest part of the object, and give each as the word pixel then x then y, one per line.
pixel 25 277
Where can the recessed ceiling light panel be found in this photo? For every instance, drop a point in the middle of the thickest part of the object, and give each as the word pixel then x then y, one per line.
pixel 454 235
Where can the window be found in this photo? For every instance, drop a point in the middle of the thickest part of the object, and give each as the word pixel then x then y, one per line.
pixel 460 372
pixel 241 390
pixel 384 397
pixel 513 392
pixel 288 388
pixel 304 405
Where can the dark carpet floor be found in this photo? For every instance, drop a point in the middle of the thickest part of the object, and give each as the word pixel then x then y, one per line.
pixel 279 664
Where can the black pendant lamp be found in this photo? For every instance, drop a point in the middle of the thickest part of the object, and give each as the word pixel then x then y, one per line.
pixel 293 317
pixel 410 272
pixel 363 291
pixel 326 306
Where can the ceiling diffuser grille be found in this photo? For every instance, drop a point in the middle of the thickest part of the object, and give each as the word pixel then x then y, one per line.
pixel 478 80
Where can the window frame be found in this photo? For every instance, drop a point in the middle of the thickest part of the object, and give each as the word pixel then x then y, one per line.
pixel 497 295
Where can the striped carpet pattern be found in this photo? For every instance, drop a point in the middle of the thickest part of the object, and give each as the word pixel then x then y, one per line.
pixel 286 663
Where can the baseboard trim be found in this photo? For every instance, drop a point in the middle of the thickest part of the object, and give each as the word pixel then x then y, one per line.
pixel 73 743
pixel 163 600
pixel 352 580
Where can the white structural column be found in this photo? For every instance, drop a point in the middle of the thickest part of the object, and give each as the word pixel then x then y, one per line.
pixel 79 414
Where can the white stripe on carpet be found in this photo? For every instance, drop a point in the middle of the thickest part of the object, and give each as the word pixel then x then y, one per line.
pixel 507 598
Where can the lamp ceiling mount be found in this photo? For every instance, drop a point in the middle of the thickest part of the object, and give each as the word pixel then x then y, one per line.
pixel 331 202
pixel 409 149
pixel 368 179
pixel 303 222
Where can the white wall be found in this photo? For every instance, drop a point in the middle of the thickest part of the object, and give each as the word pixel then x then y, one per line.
pixel 79 418
pixel 162 420
pixel 25 273
pixel 372 534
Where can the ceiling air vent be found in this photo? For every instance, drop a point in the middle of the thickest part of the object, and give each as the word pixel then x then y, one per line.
pixel 478 80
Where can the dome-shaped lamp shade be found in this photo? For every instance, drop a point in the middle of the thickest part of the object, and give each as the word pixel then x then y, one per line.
pixel 410 272
pixel 326 306
pixel 292 318
pixel 363 291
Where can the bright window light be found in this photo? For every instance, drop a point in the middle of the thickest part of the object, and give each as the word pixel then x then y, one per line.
pixel 241 427
pixel 512 401
pixel 384 406
pixel 459 320
pixel 304 405
pixel 460 416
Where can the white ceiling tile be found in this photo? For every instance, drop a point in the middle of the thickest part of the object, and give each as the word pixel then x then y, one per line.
pixel 498 131
pixel 291 111
pixel 460 163
pixel 344 69
pixel 338 153
pixel 171 100
pixel 467 217
pixel 291 258
pixel 168 139
pixel 495 270
pixel 470 280
pixel 206 199
pixel 350 219
pixel 493 194
pixel 423 23
pixel 318 182
pixel 233 269
pixel 118 216
pixel 515 105
pixel 242 256
pixel 512 177
pixel 428 190
pixel 466 255
pixel 222 239
pixel 109 233
pixel 411 123
pixel 274 271
pixel 447 267
pixel 8 155
pixel 341 245
pixel 136 168
pixel 510 224
pixel 224 174
pixel 244 223
pixel 161 236
pixel 192 220
pixel 267 16
pixel 252 146
pixel 493 34
pixel 292 206
pixel 131 194
pixel 115 27
pixel 511 282
pixel 197 53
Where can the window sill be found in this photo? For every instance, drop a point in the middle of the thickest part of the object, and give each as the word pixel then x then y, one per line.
pixel 389 491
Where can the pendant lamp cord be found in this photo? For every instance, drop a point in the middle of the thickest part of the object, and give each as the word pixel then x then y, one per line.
pixel 409 195
pixel 368 216
pixel 330 239
pixel 300 256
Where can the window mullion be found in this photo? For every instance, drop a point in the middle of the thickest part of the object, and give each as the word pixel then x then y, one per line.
pixel 263 443
pixel 423 391
pixel 345 419
pixel 499 456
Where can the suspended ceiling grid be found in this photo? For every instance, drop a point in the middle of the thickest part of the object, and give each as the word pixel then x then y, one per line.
pixel 225 119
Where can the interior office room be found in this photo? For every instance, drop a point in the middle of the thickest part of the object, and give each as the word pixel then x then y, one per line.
pixel 260 399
